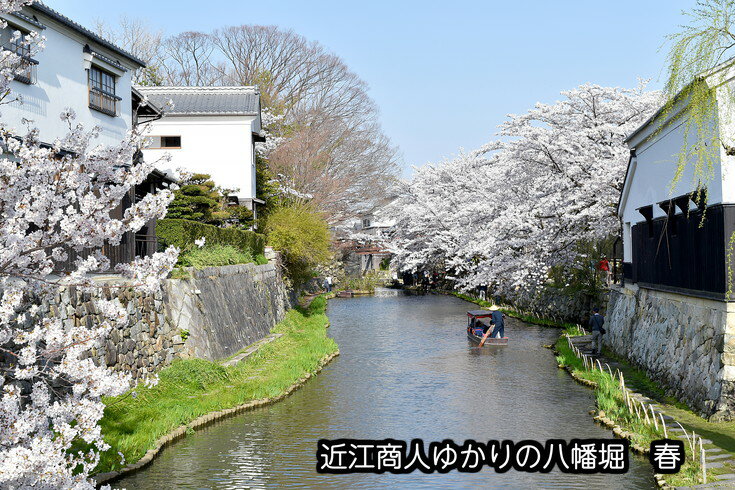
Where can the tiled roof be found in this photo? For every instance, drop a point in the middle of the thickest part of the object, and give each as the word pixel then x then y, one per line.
pixel 209 101
pixel 45 9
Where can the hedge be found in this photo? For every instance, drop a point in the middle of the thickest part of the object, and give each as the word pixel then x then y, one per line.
pixel 183 233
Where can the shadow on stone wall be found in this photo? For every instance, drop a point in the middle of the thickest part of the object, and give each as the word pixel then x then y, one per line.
pixel 212 315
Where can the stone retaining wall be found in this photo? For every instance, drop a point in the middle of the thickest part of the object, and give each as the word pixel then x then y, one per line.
pixel 147 343
pixel 687 344
pixel 211 315
pixel 224 309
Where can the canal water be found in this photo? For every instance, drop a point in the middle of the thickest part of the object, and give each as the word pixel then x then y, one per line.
pixel 406 371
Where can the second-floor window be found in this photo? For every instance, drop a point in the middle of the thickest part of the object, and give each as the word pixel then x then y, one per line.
pixel 25 72
pixel 102 96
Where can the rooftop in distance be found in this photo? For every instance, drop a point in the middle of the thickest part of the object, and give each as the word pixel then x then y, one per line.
pixel 209 101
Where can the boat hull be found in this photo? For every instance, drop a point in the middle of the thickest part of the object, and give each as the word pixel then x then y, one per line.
pixel 490 341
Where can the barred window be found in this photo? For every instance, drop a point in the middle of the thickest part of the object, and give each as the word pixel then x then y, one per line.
pixel 102 96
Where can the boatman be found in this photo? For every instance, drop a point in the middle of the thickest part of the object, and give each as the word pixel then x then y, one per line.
pixel 497 320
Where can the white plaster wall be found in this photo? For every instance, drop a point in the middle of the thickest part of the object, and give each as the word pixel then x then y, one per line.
pixel 654 168
pixel 62 83
pixel 221 146
pixel 725 94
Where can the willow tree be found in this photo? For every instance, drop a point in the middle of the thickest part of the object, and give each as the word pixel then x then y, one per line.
pixel 704 43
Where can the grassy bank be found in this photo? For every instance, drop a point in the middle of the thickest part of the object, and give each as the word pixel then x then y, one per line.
pixel 546 322
pixel 191 388
pixel 611 401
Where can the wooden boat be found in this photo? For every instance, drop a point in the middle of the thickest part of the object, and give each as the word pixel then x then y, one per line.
pixel 478 319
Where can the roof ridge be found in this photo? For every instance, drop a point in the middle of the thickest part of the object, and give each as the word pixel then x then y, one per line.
pixel 43 8
pixel 196 89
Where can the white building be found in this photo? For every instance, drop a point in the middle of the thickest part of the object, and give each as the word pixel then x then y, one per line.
pixel 666 245
pixel 211 130
pixel 674 315
pixel 76 69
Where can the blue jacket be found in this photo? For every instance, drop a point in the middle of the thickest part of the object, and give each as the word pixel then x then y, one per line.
pixel 497 319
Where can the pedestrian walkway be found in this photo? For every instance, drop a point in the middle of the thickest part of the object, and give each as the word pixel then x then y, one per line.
pixel 719 463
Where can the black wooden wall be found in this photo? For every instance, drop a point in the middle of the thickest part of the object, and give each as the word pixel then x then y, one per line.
pixel 140 244
pixel 684 253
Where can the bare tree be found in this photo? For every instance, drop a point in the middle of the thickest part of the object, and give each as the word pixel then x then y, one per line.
pixel 346 170
pixel 332 145
pixel 190 60
pixel 335 150
pixel 140 40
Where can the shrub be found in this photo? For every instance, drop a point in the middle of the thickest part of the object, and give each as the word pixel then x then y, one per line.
pixel 183 233
pixel 214 256
pixel 302 236
pixel 199 199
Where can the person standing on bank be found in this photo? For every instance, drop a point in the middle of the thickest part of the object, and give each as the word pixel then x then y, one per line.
pixel 596 323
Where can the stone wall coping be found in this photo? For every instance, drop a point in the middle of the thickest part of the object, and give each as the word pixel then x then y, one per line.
pixel 229 270
pixel 632 290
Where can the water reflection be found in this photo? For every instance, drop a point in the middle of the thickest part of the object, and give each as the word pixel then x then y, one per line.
pixel 406 371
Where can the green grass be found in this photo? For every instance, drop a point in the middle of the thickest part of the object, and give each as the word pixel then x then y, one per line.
pixel 214 256
pixel 722 434
pixel 610 399
pixel 195 387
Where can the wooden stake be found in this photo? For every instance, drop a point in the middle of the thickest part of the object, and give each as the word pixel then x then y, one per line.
pixel 704 462
pixel 635 405
pixel 653 416
pixel 663 424
pixel 689 441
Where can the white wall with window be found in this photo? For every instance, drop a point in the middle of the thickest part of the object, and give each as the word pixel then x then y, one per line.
pixel 217 145
pixel 74 70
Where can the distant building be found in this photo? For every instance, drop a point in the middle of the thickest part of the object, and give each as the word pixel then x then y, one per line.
pixel 371 233
pixel 675 316
pixel 372 225
pixel 210 130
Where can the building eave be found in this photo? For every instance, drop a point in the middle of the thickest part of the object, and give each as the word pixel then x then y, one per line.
pixel 67 22
pixel 626 184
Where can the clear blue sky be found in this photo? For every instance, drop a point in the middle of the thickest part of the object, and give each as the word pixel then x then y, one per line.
pixel 445 73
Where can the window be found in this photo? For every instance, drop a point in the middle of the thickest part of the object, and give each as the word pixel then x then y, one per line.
pixel 102 95
pixel 366 223
pixel 160 142
pixel 19 44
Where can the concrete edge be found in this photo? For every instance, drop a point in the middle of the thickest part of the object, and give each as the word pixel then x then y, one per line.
pixel 204 421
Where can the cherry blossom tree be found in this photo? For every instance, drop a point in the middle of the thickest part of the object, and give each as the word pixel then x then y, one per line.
pixel 53 201
pixel 505 214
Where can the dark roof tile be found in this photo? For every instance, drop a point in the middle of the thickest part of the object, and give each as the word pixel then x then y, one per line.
pixel 231 101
